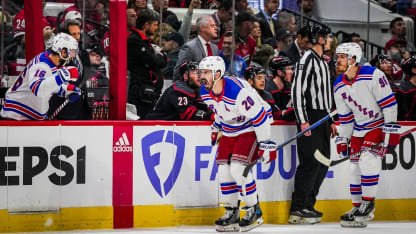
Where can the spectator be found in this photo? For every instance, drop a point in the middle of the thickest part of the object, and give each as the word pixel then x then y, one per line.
pixel 246 43
pixel 167 16
pixel 242 6
pixel 182 101
pixel 329 55
pixel 287 21
pixel 398 31
pixel 171 44
pixel 201 46
pixel 137 5
pixel 281 81
pixel 307 6
pixel 131 20
pixel 239 65
pixel 19 28
pixel 386 64
pixel 283 41
pixel 222 18
pixel 79 109
pixel 267 23
pixel 256 32
pixel 144 64
pixel 299 46
pixel 406 93
pixel 262 56
pixel 396 49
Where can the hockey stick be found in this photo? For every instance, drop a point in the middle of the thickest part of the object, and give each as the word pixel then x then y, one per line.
pixel 54 114
pixel 329 163
pixel 299 134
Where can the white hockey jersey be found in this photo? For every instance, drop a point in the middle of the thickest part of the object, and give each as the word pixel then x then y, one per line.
pixel 239 109
pixel 365 103
pixel 28 98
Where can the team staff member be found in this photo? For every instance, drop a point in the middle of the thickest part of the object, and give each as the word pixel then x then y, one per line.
pixel 312 100
pixel 144 64
pixel 182 101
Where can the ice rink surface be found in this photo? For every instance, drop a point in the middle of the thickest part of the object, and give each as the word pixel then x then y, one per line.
pixel 324 228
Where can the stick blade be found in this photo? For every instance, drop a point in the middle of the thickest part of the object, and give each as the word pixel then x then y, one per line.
pixel 321 158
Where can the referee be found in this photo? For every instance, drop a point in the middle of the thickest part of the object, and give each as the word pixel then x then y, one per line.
pixel 312 100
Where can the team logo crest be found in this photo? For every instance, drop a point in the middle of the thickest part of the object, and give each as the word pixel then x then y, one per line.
pixel 151 161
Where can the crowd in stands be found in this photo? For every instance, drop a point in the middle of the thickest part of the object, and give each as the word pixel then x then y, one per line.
pixel 266 44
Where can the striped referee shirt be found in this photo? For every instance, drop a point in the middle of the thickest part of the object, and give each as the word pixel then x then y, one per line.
pixel 311 89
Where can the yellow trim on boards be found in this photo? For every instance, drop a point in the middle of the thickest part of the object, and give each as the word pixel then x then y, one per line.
pixel 67 219
pixel 273 213
pixel 82 218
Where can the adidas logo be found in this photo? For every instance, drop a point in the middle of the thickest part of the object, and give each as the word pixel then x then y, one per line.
pixel 123 144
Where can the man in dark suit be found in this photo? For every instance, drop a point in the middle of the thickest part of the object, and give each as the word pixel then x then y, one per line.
pixel 200 47
pixel 222 18
pixel 299 46
pixel 268 25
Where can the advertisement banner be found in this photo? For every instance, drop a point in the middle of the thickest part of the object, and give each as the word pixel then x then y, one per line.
pixel 44 168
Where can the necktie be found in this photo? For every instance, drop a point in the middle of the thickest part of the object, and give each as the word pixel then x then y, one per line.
pixel 209 49
pixel 271 25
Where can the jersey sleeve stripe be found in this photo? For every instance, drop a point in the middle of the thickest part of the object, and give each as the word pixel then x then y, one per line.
pixel 385 98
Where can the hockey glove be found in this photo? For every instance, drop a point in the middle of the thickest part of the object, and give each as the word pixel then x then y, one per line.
pixel 69 91
pixel 69 73
pixel 390 135
pixel 214 134
pixel 268 146
pixel 342 144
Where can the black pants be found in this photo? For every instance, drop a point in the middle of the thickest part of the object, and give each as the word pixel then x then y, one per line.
pixel 310 173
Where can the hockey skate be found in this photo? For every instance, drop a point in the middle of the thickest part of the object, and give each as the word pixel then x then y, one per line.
pixel 348 219
pixel 230 221
pixel 252 218
pixel 304 216
pixel 366 211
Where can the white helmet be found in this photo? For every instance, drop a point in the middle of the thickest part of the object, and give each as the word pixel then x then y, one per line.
pixel 213 63
pixel 65 41
pixel 352 49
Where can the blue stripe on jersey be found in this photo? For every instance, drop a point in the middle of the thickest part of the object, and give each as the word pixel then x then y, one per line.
pixel 367 70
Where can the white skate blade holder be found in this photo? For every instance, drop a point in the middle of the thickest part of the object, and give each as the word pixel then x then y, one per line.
pixel 229 228
pixel 257 223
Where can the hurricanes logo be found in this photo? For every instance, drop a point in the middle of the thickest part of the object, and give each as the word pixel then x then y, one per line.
pixel 123 144
pixel 151 161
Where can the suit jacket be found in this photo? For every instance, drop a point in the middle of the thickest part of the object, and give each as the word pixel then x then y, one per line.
pixel 292 52
pixel 192 51
pixel 266 33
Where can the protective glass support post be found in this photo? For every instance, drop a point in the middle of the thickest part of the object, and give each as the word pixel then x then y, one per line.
pixel 233 38
pixel 3 4
pixel 160 21
pixel 367 49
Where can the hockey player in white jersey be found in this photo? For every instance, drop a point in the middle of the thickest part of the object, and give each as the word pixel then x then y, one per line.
pixel 44 75
pixel 244 119
pixel 367 111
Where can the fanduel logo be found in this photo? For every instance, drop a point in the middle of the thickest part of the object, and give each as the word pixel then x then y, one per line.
pixel 151 161
pixel 123 144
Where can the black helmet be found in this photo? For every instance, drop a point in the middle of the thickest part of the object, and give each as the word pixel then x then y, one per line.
pixel 408 64
pixel 279 63
pixel 378 58
pixel 252 71
pixel 317 31
pixel 188 66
